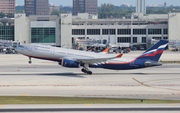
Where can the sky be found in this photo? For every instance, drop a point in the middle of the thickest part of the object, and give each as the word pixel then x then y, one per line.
pixel 115 2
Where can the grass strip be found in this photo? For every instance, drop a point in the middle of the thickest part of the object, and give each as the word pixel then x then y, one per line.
pixel 74 100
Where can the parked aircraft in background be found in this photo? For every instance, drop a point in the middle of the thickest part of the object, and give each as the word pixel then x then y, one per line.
pixel 75 58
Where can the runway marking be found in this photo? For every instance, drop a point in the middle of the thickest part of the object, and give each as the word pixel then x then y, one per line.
pixel 145 84
pixel 27 67
pixel 73 85
pixel 64 85
pixel 35 85
pixel 131 95
pixel 175 93
pixel 163 79
pixel 142 83
pixel 4 85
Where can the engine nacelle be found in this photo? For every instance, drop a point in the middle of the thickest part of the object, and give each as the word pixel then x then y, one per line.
pixel 149 63
pixel 69 63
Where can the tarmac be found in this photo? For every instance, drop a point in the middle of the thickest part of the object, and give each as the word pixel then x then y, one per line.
pixel 46 78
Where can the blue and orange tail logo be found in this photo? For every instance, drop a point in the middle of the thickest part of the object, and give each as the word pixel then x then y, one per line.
pixel 155 52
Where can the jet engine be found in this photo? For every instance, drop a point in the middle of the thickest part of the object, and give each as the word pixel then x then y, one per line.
pixel 69 63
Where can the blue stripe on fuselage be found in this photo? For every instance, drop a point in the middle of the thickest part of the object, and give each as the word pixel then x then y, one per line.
pixel 123 66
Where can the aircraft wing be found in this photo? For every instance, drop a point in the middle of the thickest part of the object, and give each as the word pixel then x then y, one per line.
pixel 96 60
pixel 92 60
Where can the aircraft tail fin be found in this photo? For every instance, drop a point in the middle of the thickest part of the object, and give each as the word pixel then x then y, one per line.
pixel 154 53
pixel 119 56
pixel 105 51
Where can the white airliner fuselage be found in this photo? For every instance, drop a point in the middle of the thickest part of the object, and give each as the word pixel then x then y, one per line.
pixel 65 57
pixel 75 58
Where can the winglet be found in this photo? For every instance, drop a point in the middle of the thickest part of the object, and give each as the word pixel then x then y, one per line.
pixel 119 56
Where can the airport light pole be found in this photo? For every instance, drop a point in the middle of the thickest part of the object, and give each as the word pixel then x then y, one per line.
pixel 132 18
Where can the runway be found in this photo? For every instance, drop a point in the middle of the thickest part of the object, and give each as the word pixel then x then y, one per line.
pixel 44 78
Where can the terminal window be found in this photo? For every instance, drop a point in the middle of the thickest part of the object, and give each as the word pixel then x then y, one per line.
pixel 134 39
pixel 157 38
pixel 78 31
pixel 108 31
pixel 143 39
pixel 123 39
pixel 154 31
pixel 43 35
pixel 165 31
pixel 93 31
pixel 124 31
pixel 139 31
pixel 7 33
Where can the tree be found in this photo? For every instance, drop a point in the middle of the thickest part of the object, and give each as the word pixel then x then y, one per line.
pixel 107 8
pixel 111 11
pixel 19 9
pixel 66 9
pixel 106 11
pixel 55 12
pixel 2 15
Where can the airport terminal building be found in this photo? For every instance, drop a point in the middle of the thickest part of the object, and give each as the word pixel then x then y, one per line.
pixel 63 30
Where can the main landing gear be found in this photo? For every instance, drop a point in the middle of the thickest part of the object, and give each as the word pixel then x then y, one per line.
pixel 29 60
pixel 86 70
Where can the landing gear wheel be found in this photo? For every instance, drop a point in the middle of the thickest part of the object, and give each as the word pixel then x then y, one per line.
pixel 30 62
pixel 84 70
pixel 89 72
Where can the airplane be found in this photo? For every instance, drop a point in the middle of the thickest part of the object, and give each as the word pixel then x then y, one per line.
pixel 66 57
pixel 75 59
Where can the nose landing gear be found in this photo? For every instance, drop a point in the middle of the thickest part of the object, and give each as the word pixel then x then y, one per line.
pixel 29 60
